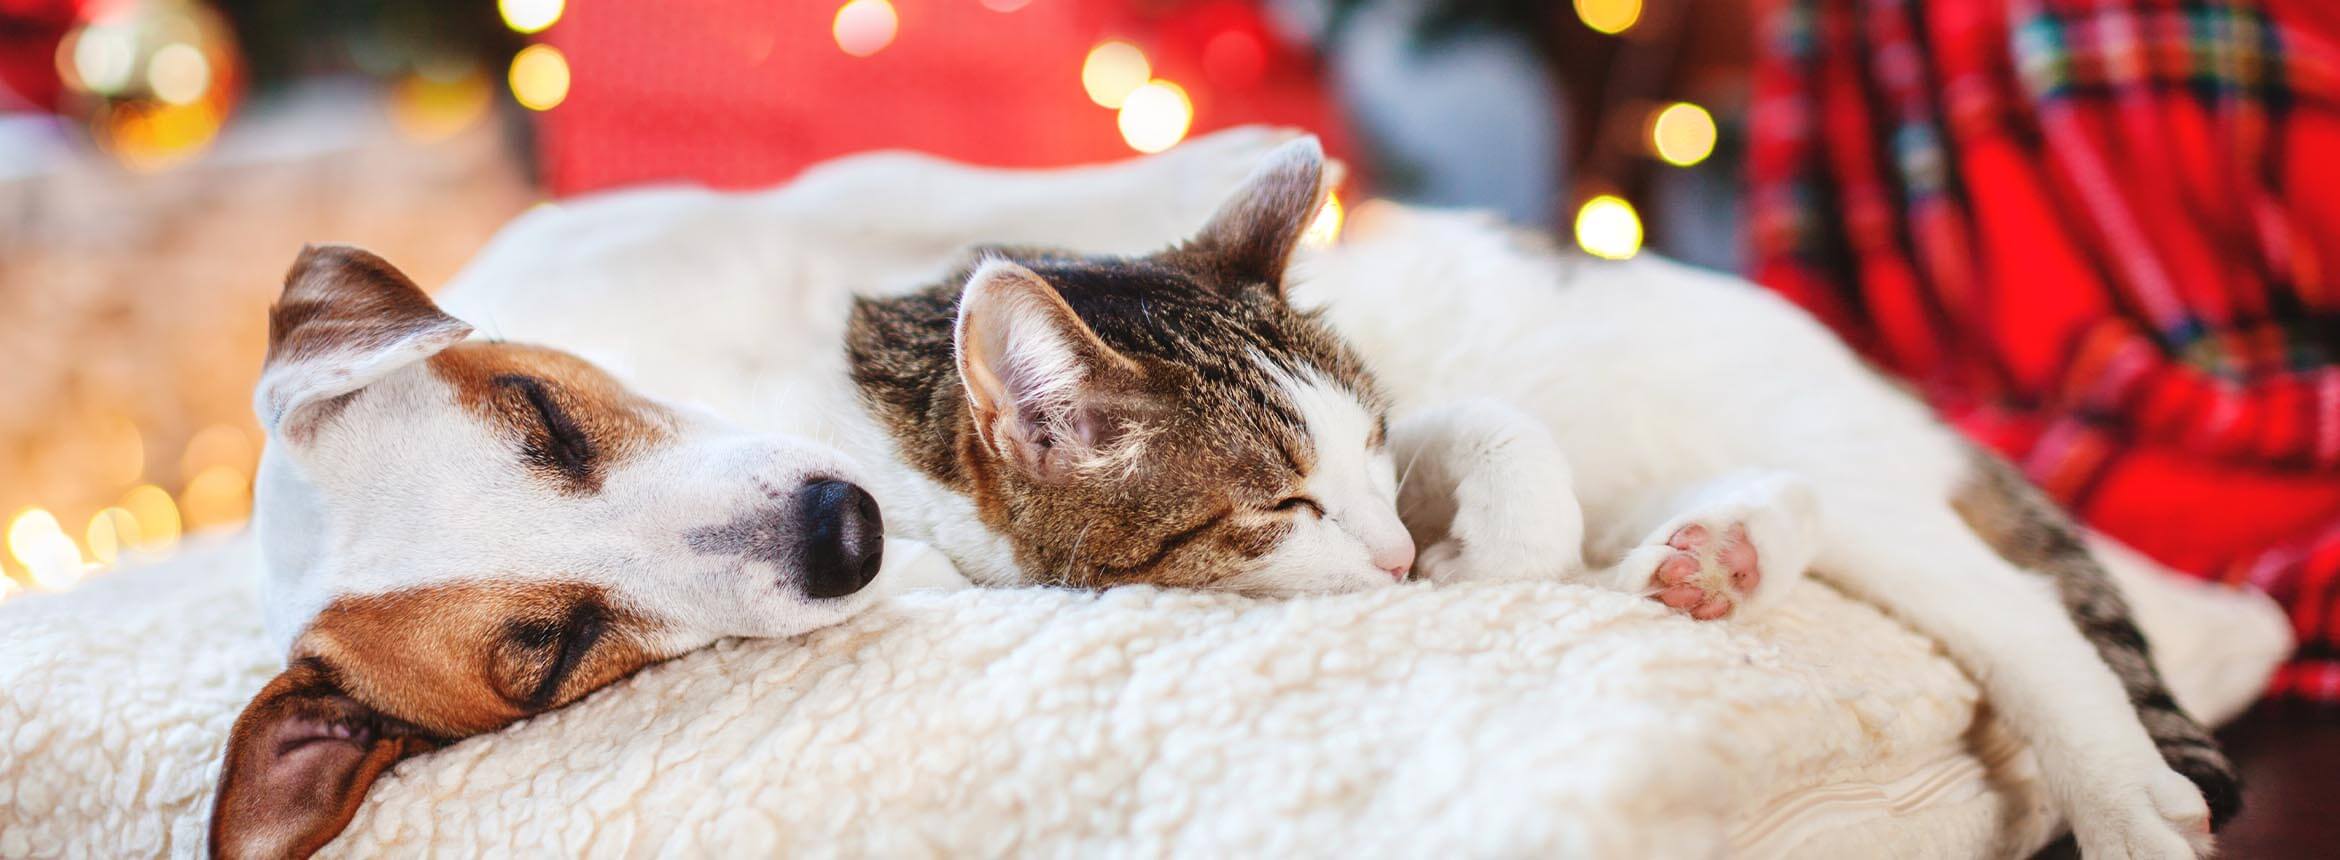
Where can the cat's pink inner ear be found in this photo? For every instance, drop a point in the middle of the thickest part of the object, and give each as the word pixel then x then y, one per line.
pixel 1028 363
pixel 1254 233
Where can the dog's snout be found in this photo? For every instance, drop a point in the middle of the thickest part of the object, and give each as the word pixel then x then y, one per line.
pixel 843 537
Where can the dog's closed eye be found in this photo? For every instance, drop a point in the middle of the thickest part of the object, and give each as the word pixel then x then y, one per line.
pixel 549 649
pixel 563 447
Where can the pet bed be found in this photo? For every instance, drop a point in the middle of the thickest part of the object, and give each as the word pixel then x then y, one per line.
pixel 1487 720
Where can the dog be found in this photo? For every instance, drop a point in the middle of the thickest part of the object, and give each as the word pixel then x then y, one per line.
pixel 460 533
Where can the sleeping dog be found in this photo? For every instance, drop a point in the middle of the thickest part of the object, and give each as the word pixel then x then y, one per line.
pixel 462 533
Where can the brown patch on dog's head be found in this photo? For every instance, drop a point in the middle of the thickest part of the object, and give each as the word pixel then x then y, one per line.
pixel 378 678
pixel 571 419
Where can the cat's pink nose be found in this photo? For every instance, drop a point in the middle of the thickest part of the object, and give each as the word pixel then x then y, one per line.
pixel 1396 558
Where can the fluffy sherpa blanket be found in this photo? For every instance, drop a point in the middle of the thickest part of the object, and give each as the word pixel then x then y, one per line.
pixel 1490 720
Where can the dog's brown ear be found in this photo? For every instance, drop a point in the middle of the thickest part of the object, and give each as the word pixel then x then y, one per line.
pixel 346 319
pixel 1252 236
pixel 299 761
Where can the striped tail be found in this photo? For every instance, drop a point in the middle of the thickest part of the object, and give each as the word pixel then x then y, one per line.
pixel 2030 531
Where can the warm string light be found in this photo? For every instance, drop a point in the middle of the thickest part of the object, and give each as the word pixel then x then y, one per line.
pixel 1608 228
pixel 1609 17
pixel 160 77
pixel 146 521
pixel 436 104
pixel 1155 117
pixel 540 77
pixel 1682 134
pixel 1112 71
pixel 529 17
pixel 865 27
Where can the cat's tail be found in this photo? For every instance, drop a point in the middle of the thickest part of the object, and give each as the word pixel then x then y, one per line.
pixel 2030 531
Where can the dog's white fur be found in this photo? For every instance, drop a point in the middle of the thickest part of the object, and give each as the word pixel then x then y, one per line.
pixel 404 488
pixel 1641 396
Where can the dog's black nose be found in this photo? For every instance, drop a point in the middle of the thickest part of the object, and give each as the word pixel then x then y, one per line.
pixel 843 537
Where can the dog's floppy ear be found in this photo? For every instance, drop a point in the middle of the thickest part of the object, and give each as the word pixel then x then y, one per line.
pixel 346 319
pixel 299 760
pixel 1253 234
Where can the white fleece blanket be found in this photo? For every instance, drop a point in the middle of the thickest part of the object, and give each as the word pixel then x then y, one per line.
pixel 1498 720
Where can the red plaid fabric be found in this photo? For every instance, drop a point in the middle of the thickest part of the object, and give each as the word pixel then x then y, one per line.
pixel 2101 234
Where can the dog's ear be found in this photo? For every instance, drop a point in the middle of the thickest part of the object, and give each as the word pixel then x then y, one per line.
pixel 299 760
pixel 346 319
pixel 1253 234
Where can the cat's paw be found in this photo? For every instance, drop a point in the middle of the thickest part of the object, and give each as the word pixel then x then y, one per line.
pixel 1744 540
pixel 2163 818
pixel 1711 571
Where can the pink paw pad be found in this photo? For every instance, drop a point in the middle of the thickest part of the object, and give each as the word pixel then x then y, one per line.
pixel 1705 578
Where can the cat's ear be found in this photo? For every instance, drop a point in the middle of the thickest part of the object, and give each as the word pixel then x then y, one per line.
pixel 1254 233
pixel 1038 379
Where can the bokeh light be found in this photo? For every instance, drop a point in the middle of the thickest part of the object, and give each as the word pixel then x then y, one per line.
pixel 1608 228
pixel 864 27
pixel 103 58
pixel 428 107
pixel 1112 71
pixel 47 553
pixel 218 445
pixel 149 136
pixel 1609 16
pixel 112 532
pixel 157 516
pixel 217 496
pixel 178 73
pixel 1326 229
pixel 530 16
pixel 1005 5
pixel 540 77
pixel 1155 117
pixel 1682 134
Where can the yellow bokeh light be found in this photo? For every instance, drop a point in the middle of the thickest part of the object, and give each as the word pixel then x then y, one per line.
pixel 40 544
pixel 1683 134
pixel 864 27
pixel 152 136
pixel 430 109
pixel 530 16
pixel 1326 229
pixel 218 496
pixel 178 74
pixel 1155 117
pixel 218 445
pixel 1609 16
pixel 1608 228
pixel 112 532
pixel 1112 71
pixel 157 516
pixel 540 77
pixel 8 587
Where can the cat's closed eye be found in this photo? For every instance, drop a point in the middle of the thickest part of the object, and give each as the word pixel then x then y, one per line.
pixel 1296 503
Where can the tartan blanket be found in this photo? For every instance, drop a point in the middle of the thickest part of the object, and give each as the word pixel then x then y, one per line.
pixel 2104 237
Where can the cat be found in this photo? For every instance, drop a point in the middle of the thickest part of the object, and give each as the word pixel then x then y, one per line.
pixel 1166 419
pixel 1178 419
